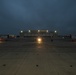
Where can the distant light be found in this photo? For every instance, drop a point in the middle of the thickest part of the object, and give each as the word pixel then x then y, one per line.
pixel 21 31
pixel 29 31
pixel 47 31
pixel 39 40
pixel 38 30
pixel 55 31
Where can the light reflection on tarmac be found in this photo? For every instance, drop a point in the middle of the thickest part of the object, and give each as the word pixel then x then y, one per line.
pixel 2 42
pixel 28 57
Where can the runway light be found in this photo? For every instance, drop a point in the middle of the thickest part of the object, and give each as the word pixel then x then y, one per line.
pixel 39 40
pixel 38 30
pixel 29 31
pixel 21 31
pixel 47 31
pixel 55 31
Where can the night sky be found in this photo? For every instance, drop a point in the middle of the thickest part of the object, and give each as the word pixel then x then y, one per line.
pixel 16 15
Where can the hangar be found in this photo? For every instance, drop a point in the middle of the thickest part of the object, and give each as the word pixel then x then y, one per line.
pixel 38 33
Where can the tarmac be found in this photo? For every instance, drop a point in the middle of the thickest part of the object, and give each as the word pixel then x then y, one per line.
pixel 25 56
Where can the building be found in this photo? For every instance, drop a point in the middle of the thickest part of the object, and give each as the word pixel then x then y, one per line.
pixel 38 33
